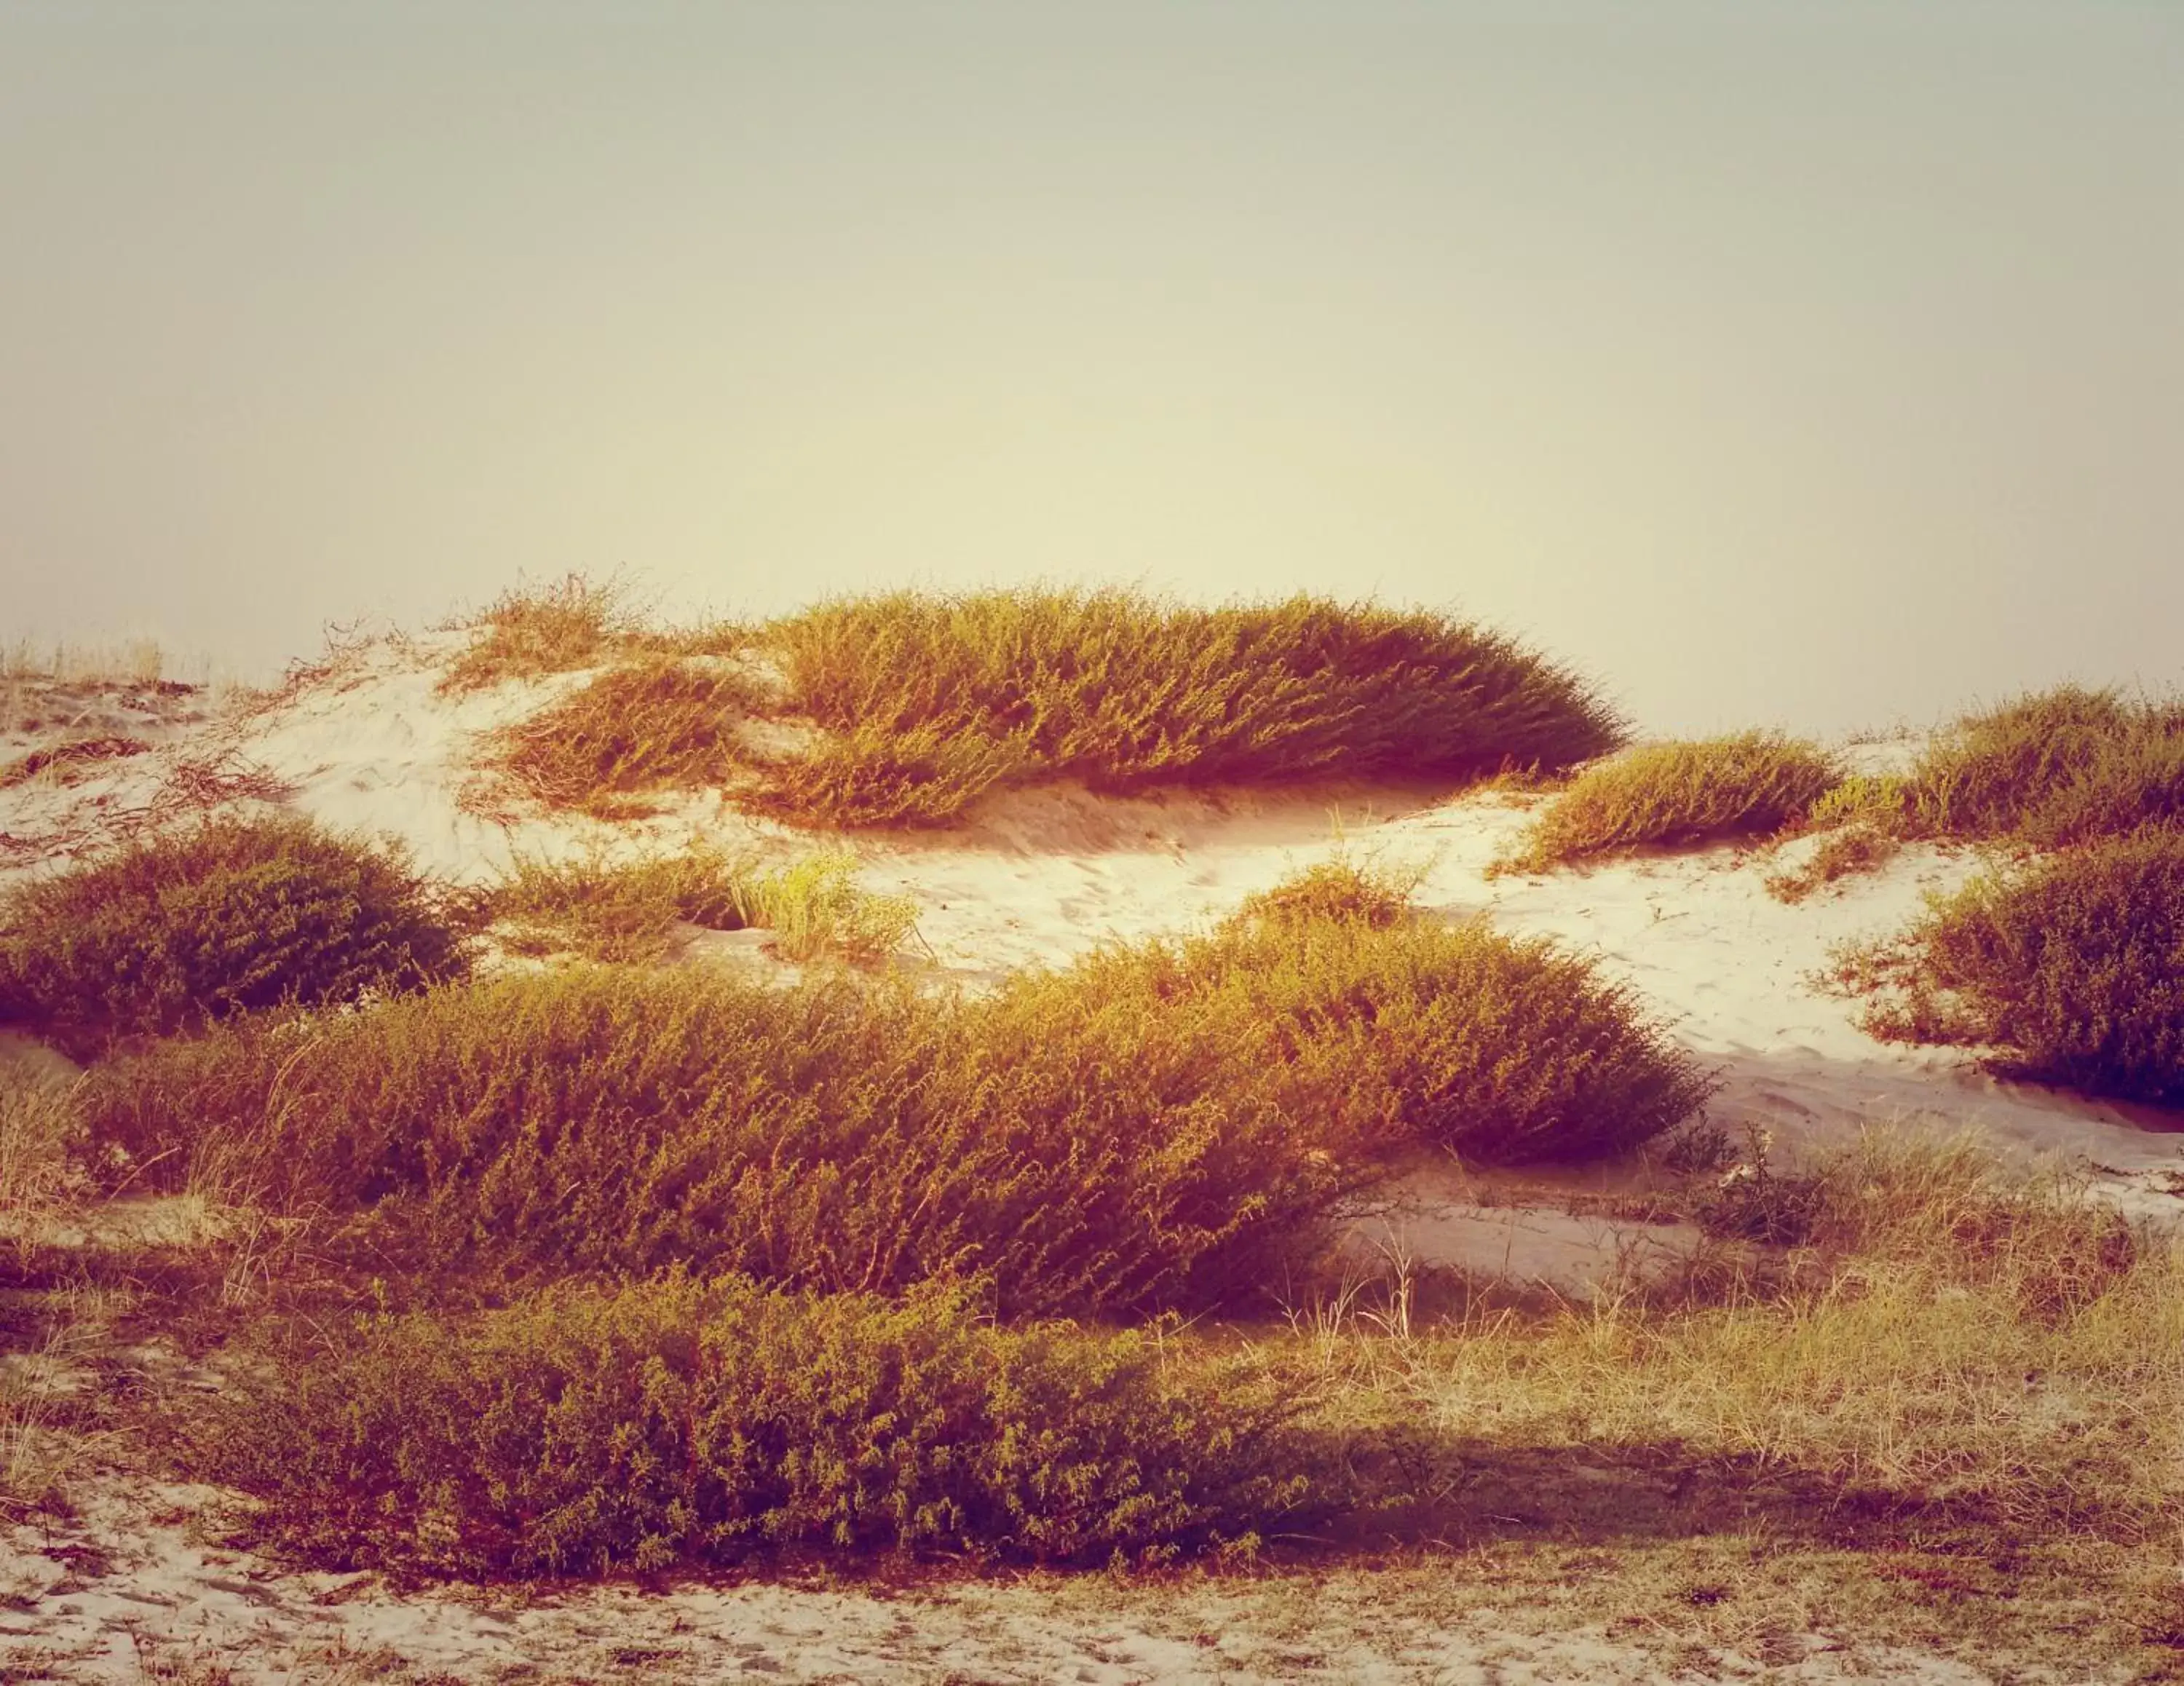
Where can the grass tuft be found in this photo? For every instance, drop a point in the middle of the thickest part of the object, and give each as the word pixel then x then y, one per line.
pixel 616 912
pixel 1337 891
pixel 628 911
pixel 1751 784
pixel 530 632
pixel 230 914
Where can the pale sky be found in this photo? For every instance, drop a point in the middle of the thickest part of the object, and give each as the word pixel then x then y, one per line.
pixel 1809 364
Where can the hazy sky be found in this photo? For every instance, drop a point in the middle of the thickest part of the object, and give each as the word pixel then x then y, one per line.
pixel 1819 364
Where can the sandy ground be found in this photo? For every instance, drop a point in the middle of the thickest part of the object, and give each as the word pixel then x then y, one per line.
pixel 1036 878
pixel 125 1595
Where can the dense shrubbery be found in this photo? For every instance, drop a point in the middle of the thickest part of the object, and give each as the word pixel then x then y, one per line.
pixel 1154 1125
pixel 2072 964
pixel 2058 767
pixel 1749 785
pixel 185 927
pixel 835 1136
pixel 584 1431
pixel 923 703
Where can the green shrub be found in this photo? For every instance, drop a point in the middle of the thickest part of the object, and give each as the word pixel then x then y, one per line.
pixel 814 908
pixel 183 926
pixel 2058 767
pixel 672 1423
pixel 2072 964
pixel 839 1135
pixel 1748 785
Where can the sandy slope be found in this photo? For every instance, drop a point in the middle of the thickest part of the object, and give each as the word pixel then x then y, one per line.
pixel 1038 878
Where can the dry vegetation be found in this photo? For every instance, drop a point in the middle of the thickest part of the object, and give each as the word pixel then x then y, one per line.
pixel 2070 966
pixel 607 1267
pixel 1751 785
pixel 915 706
pixel 225 916
pixel 632 911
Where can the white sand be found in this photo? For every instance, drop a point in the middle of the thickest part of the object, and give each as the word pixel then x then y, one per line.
pixel 1038 878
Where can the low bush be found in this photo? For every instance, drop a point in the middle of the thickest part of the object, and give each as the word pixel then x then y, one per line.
pixel 672 1423
pixel 2058 767
pixel 1749 785
pixel 186 925
pixel 1123 691
pixel 839 1135
pixel 1500 1050
pixel 915 705
pixel 2072 965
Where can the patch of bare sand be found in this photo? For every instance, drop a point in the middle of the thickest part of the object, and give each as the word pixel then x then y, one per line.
pixel 126 1591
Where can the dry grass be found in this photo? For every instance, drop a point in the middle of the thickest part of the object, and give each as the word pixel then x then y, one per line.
pixel 620 911
pixel 1749 785
pixel 42 1178
pixel 630 910
pixel 1956 1349
pixel 132 662
pixel 914 706
pixel 572 623
pixel 655 723
pixel 69 762
pixel 1842 852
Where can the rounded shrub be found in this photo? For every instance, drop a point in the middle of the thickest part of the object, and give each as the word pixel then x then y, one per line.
pixel 581 1431
pixel 1751 784
pixel 1384 1036
pixel 229 915
pixel 2074 964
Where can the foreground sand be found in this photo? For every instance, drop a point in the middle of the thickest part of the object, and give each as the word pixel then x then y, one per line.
pixel 124 1594
pixel 129 1591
